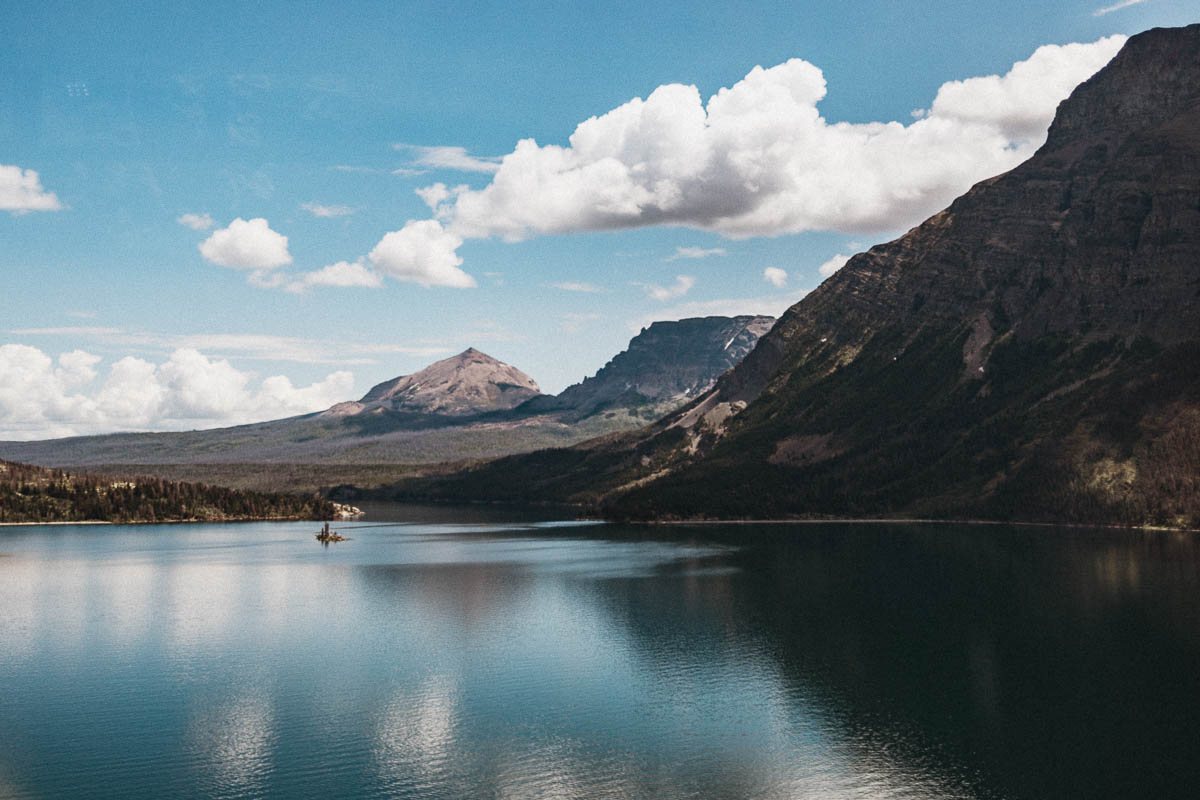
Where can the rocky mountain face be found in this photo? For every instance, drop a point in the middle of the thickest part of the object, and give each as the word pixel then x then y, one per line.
pixel 1031 352
pixel 466 384
pixel 667 363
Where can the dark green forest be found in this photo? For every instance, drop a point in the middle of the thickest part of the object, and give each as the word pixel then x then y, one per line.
pixel 37 494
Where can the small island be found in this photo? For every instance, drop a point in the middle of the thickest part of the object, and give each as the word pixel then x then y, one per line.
pixel 326 535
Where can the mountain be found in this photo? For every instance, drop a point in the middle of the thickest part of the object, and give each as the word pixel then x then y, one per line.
pixel 1032 352
pixel 468 383
pixel 467 406
pixel 667 363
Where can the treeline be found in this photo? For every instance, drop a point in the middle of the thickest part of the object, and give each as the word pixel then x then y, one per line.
pixel 38 494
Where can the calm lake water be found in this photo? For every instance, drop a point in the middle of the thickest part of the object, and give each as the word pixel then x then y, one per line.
pixel 462 655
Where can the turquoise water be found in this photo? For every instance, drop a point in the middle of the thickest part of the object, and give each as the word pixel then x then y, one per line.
pixel 458 655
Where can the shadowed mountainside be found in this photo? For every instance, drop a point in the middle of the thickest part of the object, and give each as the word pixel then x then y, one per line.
pixel 1030 353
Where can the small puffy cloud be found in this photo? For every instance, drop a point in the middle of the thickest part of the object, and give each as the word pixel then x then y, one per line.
pixel 449 157
pixel 197 222
pixel 683 284
pixel 695 252
pixel 422 252
pixel 574 286
pixel 21 191
pixel 318 210
pixel 1100 12
pixel 247 244
pixel 832 265
pixel 40 398
pixel 341 274
pixel 775 276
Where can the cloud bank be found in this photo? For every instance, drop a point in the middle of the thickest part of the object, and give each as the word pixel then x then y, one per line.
pixel 21 191
pixel 41 397
pixel 757 159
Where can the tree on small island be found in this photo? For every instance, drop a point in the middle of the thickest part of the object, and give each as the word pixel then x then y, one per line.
pixel 325 535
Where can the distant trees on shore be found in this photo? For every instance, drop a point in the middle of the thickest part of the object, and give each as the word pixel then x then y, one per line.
pixel 38 494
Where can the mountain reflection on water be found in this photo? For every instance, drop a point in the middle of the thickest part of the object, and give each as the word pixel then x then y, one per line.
pixel 456 657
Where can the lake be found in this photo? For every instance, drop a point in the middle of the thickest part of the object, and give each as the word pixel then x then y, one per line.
pixel 451 653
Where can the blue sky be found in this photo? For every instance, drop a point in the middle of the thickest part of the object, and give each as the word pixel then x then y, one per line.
pixel 319 124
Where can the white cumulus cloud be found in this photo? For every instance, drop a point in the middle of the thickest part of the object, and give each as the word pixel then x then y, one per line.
pixel 247 244
pixel 41 397
pixel 341 274
pixel 197 222
pixel 21 191
pixel 422 252
pixel 1021 103
pixel 832 265
pixel 775 276
pixel 758 159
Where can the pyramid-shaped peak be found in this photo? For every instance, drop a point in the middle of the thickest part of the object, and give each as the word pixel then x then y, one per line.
pixel 471 382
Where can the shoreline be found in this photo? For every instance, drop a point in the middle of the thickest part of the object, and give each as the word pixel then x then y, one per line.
pixel 910 521
pixel 84 522
pixel 159 521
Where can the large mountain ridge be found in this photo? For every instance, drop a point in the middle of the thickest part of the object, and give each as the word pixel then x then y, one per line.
pixel 1031 352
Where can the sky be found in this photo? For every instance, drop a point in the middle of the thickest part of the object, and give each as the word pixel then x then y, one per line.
pixel 219 213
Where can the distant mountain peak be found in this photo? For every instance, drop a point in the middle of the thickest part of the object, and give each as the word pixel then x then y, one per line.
pixel 667 363
pixel 471 382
